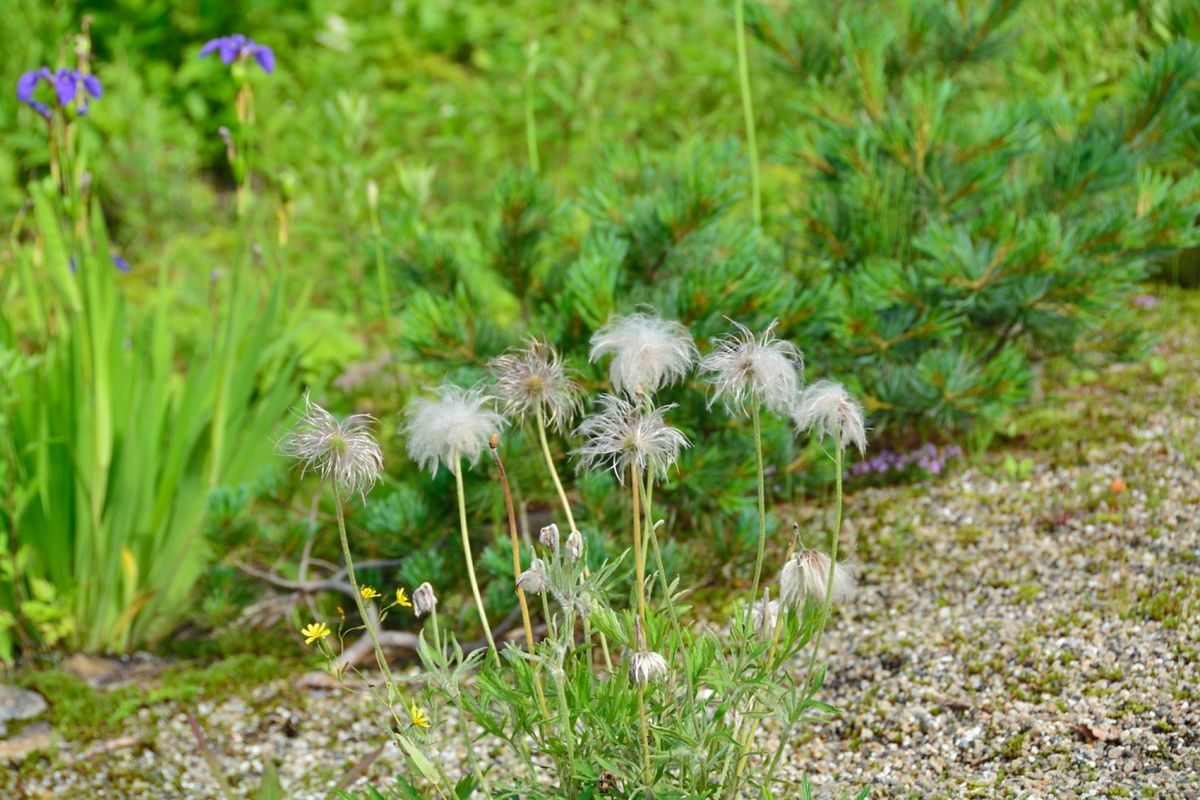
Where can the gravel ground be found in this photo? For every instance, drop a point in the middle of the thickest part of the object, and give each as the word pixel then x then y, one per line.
pixel 1015 635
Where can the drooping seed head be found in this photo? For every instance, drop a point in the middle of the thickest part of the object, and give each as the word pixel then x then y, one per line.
pixel 534 580
pixel 758 369
pixel 647 350
pixel 646 666
pixel 423 599
pixel 826 408
pixel 765 623
pixel 622 435
pixel 806 574
pixel 549 536
pixel 342 452
pixel 458 423
pixel 534 378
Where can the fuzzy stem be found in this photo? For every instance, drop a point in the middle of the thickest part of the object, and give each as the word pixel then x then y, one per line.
pixel 639 560
pixel 647 773
pixel 568 732
pixel 566 504
pixel 762 500
pixel 385 307
pixel 466 542
pixel 516 554
pixel 748 109
pixel 837 530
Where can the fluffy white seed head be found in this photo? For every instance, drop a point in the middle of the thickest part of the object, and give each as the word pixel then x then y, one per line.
pixel 458 423
pixel 423 599
pixel 341 451
pixel 621 435
pixel 806 574
pixel 533 378
pixel 827 409
pixel 760 369
pixel 765 623
pixel 575 545
pixel 648 351
pixel 646 666
pixel 549 536
pixel 534 580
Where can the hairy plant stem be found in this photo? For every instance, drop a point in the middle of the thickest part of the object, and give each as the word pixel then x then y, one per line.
pixel 839 454
pixel 466 543
pixel 423 764
pixel 385 306
pixel 568 732
pixel 739 21
pixel 521 599
pixel 566 504
pixel 638 556
pixel 647 772
pixel 462 712
pixel 762 499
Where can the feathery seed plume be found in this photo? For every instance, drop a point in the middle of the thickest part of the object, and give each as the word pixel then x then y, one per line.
pixel 534 377
pixel 762 369
pixel 344 452
pixel 806 574
pixel 621 435
pixel 457 424
pixel 647 351
pixel 826 407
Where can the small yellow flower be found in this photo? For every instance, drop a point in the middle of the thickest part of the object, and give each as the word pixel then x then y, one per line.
pixel 368 593
pixel 402 598
pixel 314 632
pixel 341 613
pixel 418 716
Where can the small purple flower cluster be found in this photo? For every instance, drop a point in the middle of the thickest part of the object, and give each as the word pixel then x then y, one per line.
pixel 928 457
pixel 235 47
pixel 1145 301
pixel 68 84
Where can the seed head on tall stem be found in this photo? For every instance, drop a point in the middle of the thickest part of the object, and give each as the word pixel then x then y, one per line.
pixel 342 452
pixel 533 380
pixel 621 436
pixel 647 351
pixel 744 368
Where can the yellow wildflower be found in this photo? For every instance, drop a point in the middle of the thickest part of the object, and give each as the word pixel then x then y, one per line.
pixel 341 613
pixel 368 593
pixel 418 716
pixel 402 598
pixel 315 632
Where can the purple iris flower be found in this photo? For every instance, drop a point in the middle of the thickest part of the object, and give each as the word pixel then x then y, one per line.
pixel 66 83
pixel 121 264
pixel 236 46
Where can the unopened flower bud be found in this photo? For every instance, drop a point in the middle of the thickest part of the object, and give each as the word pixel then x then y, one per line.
pixel 549 536
pixel 575 545
pixel 423 600
pixel 372 195
pixel 534 580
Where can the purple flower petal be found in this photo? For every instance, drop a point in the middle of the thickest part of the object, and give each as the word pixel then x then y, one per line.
pixel 40 108
pixel 265 57
pixel 92 84
pixel 120 263
pixel 66 84
pixel 231 47
pixel 210 46
pixel 26 85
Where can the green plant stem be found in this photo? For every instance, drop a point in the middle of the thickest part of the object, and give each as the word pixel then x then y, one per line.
pixel 638 557
pixel 739 14
pixel 568 732
pixel 647 772
pixel 466 543
pixel 531 139
pixel 762 499
pixel 837 531
pixel 566 504
pixel 385 307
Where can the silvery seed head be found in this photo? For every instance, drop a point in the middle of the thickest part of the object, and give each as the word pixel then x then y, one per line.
pixel 423 599
pixel 622 435
pixel 762 369
pixel 549 537
pixel 646 667
pixel 648 352
pixel 458 423
pixel 575 545
pixel 806 575
pixel 343 452
pixel 534 580
pixel 826 408
pixel 534 378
